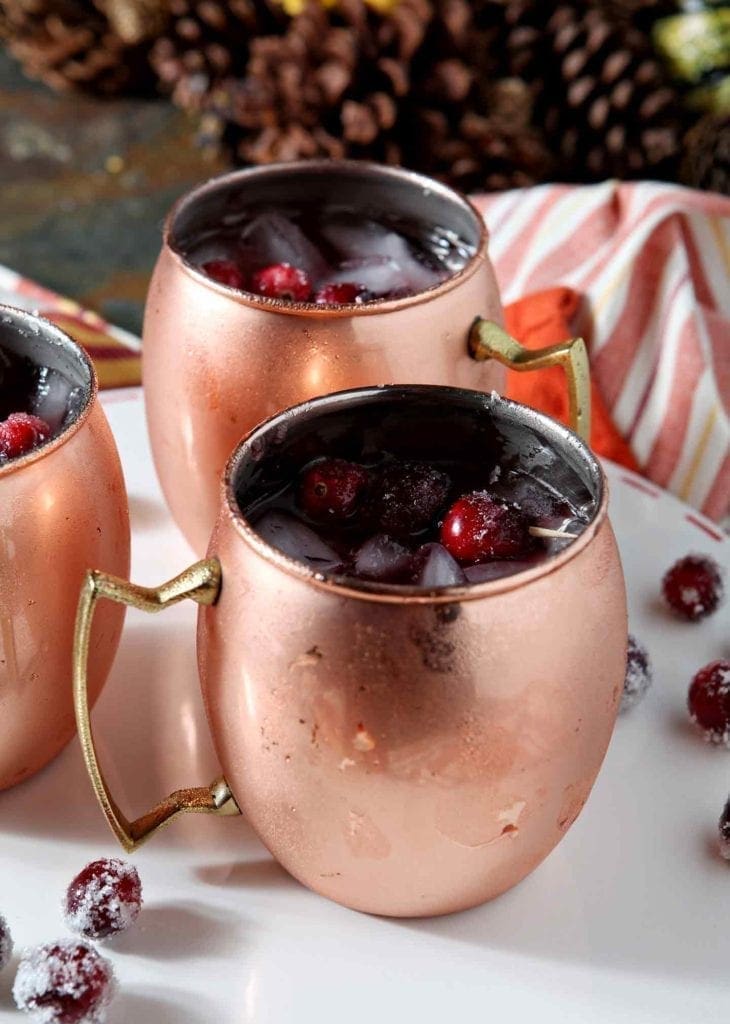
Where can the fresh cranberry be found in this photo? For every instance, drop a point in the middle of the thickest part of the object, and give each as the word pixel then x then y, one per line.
pixel 638 674
pixel 225 272
pixel 20 433
pixel 103 899
pixel 282 281
pixel 408 497
pixel 64 982
pixel 478 528
pixel 332 488
pixel 339 294
pixel 6 943
pixel 724 827
pixel 709 701
pixel 693 587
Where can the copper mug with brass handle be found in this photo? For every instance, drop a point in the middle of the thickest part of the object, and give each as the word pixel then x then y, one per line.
pixel 217 361
pixel 385 776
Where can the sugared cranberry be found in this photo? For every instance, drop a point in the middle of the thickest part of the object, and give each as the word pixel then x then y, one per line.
pixel 724 828
pixel 408 497
pixel 282 281
pixel 332 488
pixel 6 943
pixel 638 674
pixel 225 272
pixel 64 982
pixel 693 587
pixel 339 294
pixel 20 433
pixel 103 899
pixel 478 528
pixel 709 701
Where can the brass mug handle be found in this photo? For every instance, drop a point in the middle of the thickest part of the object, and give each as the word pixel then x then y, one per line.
pixel 487 340
pixel 201 583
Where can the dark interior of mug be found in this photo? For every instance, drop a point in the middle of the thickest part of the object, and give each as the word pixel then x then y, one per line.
pixel 424 423
pixel 358 185
pixel 42 371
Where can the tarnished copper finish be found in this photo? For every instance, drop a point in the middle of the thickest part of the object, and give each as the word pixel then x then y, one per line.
pixel 62 508
pixel 402 752
pixel 217 362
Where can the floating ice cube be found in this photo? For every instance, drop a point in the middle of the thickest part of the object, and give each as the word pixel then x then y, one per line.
pixel 295 539
pixel 382 558
pixel 436 568
pixel 271 238
pixel 383 256
pixel 51 399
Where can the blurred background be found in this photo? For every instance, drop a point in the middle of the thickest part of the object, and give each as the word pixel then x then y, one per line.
pixel 109 109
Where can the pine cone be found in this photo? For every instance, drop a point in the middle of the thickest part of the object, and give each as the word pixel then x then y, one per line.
pixel 608 106
pixel 100 45
pixel 706 161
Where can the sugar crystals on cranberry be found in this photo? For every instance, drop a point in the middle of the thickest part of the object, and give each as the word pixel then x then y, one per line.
pixel 282 281
pixel 103 899
pixel 20 433
pixel 693 587
pixel 340 294
pixel 225 272
pixel 638 674
pixel 709 701
pixel 724 829
pixel 6 943
pixel 64 982
pixel 479 527
pixel 332 488
pixel 407 496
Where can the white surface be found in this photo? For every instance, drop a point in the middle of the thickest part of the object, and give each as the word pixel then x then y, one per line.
pixel 628 920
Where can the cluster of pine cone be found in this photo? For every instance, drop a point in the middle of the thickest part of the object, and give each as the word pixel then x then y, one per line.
pixel 484 94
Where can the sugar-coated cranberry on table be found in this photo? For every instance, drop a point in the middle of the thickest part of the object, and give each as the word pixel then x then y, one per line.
pixel 332 488
pixel 64 982
pixel 693 587
pixel 478 528
pixel 709 701
pixel 638 674
pixel 20 433
pixel 282 281
pixel 225 272
pixel 103 899
pixel 724 830
pixel 6 943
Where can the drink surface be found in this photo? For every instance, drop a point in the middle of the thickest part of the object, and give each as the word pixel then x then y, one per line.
pixel 460 517
pixel 345 255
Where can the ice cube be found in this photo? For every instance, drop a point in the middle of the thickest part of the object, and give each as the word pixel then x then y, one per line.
pixel 293 538
pixel 384 559
pixel 384 256
pixel 436 568
pixel 272 238
pixel 51 400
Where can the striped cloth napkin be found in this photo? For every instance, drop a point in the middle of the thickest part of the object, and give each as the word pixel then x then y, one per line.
pixel 644 276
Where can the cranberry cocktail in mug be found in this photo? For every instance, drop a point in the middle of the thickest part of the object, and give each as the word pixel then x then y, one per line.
pixel 280 283
pixel 411 644
pixel 63 506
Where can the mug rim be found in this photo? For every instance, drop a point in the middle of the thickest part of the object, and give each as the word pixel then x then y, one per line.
pixel 79 353
pixel 391 593
pixel 312 309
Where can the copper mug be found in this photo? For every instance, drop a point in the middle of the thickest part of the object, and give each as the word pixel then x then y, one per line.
pixel 400 751
pixel 217 361
pixel 62 507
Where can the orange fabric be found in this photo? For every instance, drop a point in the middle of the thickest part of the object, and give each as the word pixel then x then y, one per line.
pixel 542 319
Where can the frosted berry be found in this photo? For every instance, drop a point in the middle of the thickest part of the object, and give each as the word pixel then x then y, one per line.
pixel 340 294
pixel 408 497
pixel 332 488
pixel 282 281
pixel 20 433
pixel 724 829
pixel 103 899
pixel 225 272
pixel 638 674
pixel 6 943
pixel 479 527
pixel 64 982
pixel 709 701
pixel 693 587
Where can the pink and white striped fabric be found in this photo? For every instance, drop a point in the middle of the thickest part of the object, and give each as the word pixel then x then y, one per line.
pixel 652 262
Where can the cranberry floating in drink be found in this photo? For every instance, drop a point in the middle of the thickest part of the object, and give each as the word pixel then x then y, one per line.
pixel 407 500
pixel 327 254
